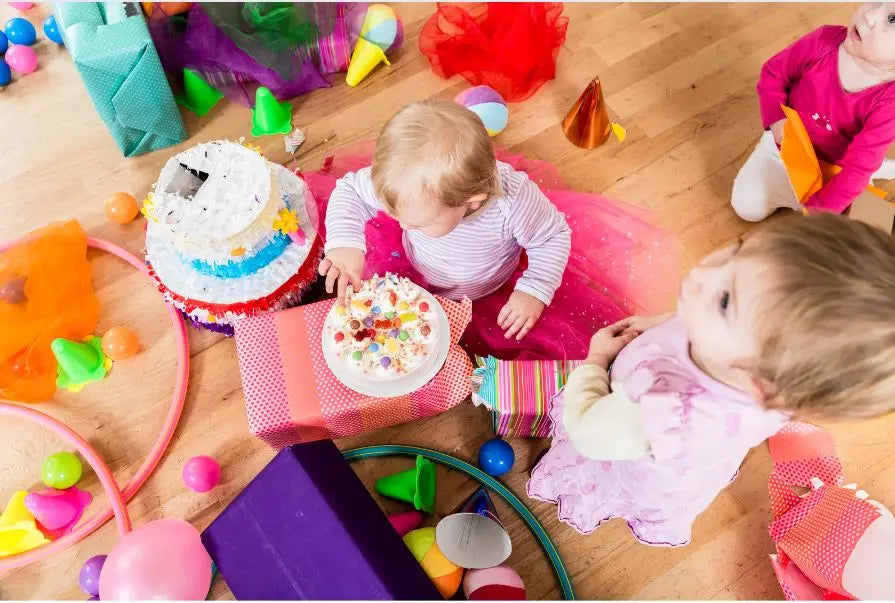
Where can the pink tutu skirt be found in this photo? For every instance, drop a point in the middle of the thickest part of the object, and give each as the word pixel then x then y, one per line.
pixel 620 264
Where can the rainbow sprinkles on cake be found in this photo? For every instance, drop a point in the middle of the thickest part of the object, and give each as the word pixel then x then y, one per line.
pixel 387 330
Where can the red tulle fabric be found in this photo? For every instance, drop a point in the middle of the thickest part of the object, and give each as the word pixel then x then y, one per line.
pixel 511 46
pixel 620 264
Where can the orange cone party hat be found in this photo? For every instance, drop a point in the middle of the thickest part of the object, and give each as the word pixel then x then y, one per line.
pixel 587 124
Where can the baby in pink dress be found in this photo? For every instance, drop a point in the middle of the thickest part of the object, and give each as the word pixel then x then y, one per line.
pixel 798 319
pixel 841 80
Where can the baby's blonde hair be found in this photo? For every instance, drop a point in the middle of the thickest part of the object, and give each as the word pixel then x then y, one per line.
pixel 826 337
pixel 434 151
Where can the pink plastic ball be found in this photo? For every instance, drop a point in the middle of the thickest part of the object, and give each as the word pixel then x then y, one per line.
pixel 22 6
pixel 21 58
pixel 201 473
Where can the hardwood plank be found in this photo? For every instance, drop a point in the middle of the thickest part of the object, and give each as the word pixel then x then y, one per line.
pixel 679 77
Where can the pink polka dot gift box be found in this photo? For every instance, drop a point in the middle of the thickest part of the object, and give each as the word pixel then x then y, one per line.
pixel 292 395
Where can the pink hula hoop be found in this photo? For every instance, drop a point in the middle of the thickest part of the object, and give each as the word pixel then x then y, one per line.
pixel 118 497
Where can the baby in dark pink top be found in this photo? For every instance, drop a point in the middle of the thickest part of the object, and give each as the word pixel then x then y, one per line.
pixel 840 80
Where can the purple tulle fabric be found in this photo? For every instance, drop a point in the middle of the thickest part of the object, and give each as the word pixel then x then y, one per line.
pixel 201 45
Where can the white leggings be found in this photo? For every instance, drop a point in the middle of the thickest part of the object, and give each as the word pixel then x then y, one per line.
pixel 762 184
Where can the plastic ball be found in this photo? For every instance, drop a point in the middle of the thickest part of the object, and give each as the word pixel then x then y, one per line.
pixel 20 31
pixel 5 78
pixel 496 457
pixel 61 470
pixel 501 583
pixel 201 473
pixel 4 42
pixel 485 102
pixel 21 59
pixel 444 574
pixel 121 208
pixel 22 6
pixel 88 577
pixel 159 560
pixel 52 30
pixel 120 343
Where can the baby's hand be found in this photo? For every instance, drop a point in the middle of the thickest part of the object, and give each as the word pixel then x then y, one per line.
pixel 519 314
pixel 342 264
pixel 777 131
pixel 609 341
pixel 639 324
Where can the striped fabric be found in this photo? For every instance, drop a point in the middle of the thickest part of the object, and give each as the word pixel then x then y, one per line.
pixel 519 393
pixel 482 252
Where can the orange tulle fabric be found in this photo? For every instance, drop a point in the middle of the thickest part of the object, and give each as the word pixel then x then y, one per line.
pixel 510 46
pixel 45 292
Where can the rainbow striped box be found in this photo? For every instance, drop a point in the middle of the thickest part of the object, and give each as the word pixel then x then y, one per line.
pixel 519 392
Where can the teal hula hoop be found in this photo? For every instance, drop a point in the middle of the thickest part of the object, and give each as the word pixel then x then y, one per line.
pixel 559 567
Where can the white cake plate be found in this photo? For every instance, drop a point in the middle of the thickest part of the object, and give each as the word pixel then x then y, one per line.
pixel 399 385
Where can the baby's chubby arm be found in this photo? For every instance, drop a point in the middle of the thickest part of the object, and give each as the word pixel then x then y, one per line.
pixel 353 202
pixel 778 74
pixel 603 425
pixel 542 231
pixel 865 154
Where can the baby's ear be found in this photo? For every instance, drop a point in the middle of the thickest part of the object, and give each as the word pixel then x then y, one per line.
pixel 765 392
pixel 760 388
pixel 476 201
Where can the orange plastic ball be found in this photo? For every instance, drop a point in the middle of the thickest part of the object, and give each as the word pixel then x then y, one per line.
pixel 121 208
pixel 120 343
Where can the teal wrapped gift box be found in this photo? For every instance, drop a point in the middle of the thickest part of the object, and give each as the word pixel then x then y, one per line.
pixel 111 47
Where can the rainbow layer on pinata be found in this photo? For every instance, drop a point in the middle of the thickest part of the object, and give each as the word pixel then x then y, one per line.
pixel 230 234
pixel 388 329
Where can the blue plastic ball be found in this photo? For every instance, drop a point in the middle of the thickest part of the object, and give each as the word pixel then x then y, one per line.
pixel 5 74
pixel 496 457
pixel 4 43
pixel 20 31
pixel 52 30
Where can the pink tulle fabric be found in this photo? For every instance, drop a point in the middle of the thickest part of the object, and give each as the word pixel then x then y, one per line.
pixel 620 264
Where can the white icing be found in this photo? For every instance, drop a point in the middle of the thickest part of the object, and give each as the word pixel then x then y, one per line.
pixel 168 263
pixel 234 208
pixel 373 311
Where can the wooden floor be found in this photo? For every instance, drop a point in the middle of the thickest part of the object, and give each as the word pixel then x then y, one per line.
pixel 681 78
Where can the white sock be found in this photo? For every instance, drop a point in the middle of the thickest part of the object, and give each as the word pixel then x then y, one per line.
pixel 886 171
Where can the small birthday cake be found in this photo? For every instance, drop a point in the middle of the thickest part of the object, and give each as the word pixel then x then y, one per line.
pixel 230 234
pixel 389 330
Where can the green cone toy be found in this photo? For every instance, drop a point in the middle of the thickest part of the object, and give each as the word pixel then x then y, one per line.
pixel 269 115
pixel 415 486
pixel 78 363
pixel 198 95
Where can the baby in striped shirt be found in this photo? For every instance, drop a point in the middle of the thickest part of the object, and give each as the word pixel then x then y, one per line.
pixel 465 217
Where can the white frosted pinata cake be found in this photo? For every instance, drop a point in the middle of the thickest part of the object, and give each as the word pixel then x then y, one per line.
pixel 230 234
pixel 390 336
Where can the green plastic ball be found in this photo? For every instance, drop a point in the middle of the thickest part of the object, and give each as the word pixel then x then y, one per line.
pixel 61 470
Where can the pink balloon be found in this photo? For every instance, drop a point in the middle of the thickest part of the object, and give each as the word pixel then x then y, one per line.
pixel 21 58
pixel 22 6
pixel 162 559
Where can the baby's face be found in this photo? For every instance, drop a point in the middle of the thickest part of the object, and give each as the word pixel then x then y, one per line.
pixel 434 219
pixel 871 34
pixel 431 219
pixel 718 304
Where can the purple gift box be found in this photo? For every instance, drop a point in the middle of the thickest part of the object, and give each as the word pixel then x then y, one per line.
pixel 306 528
